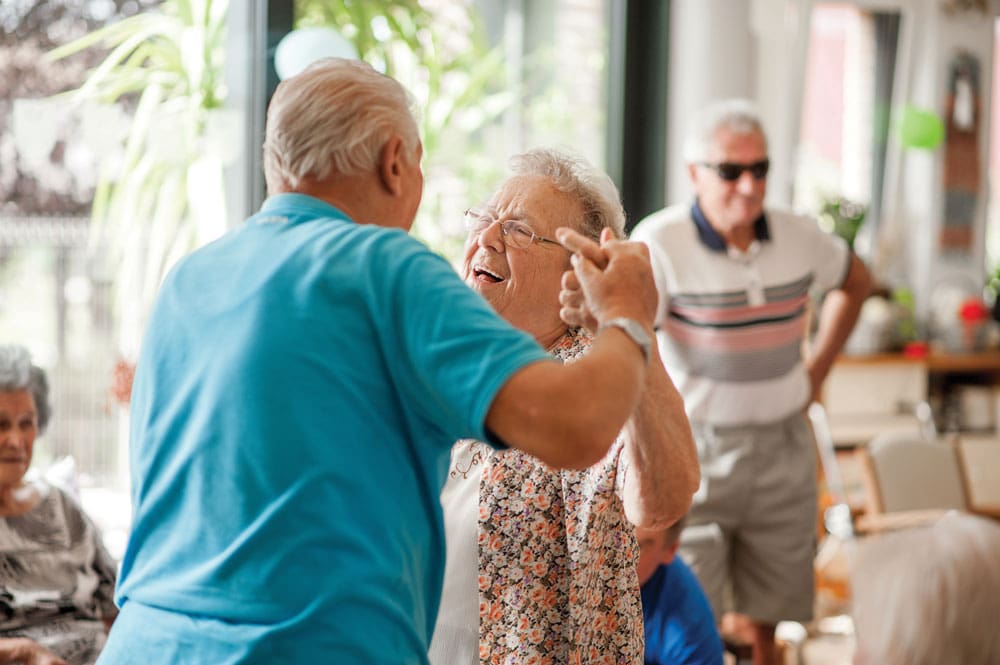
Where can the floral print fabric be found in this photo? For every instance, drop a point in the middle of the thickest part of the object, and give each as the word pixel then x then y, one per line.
pixel 557 579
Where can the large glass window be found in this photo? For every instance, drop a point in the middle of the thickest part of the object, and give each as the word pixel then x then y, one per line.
pixel 54 297
pixel 490 78
pixel 845 112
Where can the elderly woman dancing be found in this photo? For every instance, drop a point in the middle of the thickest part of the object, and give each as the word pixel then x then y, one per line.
pixel 56 580
pixel 541 563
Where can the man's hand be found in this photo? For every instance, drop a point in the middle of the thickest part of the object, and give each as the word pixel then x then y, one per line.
pixel 608 280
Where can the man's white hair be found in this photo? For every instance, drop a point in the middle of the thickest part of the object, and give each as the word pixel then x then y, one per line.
pixel 574 175
pixel 739 116
pixel 333 118
pixel 930 595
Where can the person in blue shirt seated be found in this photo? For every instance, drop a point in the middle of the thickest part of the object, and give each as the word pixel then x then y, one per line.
pixel 680 626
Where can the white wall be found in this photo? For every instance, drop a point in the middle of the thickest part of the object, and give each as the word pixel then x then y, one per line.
pixel 711 57
pixel 737 48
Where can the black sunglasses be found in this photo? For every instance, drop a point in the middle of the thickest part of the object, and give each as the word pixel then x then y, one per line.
pixel 731 171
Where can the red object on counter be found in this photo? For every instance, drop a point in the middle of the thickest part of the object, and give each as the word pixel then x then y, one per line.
pixel 972 310
pixel 916 349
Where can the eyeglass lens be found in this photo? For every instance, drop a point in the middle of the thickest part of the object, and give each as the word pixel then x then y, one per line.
pixel 731 171
pixel 515 233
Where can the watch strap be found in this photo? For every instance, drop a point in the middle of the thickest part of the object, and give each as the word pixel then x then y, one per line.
pixel 636 332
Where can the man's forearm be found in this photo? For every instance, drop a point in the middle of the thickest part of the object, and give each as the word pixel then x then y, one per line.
pixel 836 320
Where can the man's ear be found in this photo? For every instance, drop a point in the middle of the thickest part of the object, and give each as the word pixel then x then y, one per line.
pixel 693 173
pixel 390 165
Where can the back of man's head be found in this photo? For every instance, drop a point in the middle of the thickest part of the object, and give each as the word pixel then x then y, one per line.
pixel 739 116
pixel 929 595
pixel 333 119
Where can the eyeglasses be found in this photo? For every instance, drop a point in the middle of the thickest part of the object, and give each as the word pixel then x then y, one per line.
pixel 515 233
pixel 731 171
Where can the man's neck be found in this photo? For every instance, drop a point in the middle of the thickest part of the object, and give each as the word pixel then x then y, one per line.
pixel 739 238
pixel 352 195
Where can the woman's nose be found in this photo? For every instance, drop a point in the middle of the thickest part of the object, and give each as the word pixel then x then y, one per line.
pixel 11 438
pixel 492 237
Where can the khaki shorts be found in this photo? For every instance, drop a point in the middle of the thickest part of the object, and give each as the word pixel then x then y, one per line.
pixel 751 531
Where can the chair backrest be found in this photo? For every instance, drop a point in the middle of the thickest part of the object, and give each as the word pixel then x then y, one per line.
pixel 980 458
pixel 911 473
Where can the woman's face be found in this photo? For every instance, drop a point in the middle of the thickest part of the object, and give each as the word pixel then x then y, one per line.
pixel 18 429
pixel 522 284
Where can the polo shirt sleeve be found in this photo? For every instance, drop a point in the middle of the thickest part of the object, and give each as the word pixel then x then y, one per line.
pixel 448 351
pixel 827 253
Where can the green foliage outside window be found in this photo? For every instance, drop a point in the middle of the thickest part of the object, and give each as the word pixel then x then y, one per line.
pixel 167 65
pixel 441 56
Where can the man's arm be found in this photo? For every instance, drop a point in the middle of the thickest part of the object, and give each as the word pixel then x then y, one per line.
pixel 569 415
pixel 837 316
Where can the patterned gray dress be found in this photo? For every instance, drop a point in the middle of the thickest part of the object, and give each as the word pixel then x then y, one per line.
pixel 56 579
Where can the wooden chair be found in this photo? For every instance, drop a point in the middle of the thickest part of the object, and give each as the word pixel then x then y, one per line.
pixel 980 463
pixel 910 481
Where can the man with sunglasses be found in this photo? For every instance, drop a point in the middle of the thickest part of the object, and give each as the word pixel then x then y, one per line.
pixel 734 280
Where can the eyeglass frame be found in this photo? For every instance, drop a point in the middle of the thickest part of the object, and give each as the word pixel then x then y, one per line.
pixel 506 227
pixel 733 171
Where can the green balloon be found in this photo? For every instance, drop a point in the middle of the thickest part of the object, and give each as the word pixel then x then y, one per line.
pixel 920 128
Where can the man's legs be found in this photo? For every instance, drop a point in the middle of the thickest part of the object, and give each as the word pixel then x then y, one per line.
pixel 716 509
pixel 774 550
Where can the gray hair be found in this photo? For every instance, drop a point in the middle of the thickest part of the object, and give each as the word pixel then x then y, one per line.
pixel 17 373
pixel 736 115
pixel 930 595
pixel 572 174
pixel 334 117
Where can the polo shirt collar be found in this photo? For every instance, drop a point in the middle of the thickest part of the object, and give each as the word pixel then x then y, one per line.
pixel 300 203
pixel 711 238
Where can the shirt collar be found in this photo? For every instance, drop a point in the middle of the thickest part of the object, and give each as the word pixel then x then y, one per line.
pixel 300 203
pixel 711 238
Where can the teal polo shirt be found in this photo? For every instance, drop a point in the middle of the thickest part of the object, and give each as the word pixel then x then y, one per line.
pixel 300 385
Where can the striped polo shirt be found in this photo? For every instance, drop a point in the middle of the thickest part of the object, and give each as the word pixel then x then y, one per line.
pixel 731 323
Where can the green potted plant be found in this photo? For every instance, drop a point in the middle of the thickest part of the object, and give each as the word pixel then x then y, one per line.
pixel 842 217
pixel 993 291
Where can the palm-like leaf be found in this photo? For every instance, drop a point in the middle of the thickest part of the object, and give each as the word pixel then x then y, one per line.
pixel 169 64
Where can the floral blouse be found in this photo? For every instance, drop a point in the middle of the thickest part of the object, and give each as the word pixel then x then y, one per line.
pixel 557 578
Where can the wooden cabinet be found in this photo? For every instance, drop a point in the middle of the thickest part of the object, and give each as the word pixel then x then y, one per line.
pixel 867 395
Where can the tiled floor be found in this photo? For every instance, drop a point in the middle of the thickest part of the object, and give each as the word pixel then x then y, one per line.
pixel 829 642
pixel 826 650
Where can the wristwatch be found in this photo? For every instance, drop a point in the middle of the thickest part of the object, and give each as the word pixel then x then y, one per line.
pixel 634 330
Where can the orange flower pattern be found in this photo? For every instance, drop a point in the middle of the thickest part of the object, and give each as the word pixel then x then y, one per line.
pixel 557 580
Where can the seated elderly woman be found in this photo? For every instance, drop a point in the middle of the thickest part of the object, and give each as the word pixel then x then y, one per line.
pixel 929 595
pixel 541 564
pixel 56 580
